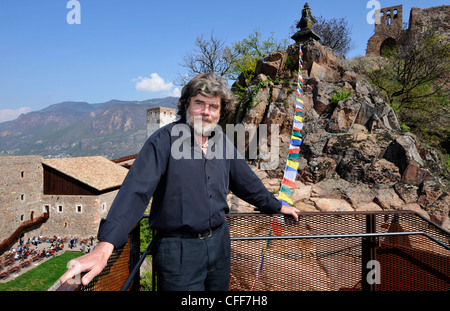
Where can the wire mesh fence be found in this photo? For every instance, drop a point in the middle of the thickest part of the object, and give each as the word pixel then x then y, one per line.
pixel 348 251
pixel 330 252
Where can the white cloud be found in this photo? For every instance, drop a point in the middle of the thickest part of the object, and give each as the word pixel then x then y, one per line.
pixel 176 92
pixel 11 114
pixel 153 84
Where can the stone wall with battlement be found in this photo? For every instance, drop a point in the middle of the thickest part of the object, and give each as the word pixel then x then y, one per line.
pixel 391 30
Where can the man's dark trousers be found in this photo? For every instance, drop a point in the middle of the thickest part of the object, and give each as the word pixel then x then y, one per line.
pixel 192 263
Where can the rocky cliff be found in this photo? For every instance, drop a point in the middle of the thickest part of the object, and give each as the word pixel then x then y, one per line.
pixel 354 155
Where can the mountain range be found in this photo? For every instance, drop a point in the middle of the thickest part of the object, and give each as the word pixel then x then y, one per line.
pixel 112 129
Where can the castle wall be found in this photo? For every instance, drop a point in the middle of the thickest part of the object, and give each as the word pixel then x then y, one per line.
pixel 75 216
pixel 437 18
pixel 21 185
pixel 21 198
pixel 391 19
pixel 391 26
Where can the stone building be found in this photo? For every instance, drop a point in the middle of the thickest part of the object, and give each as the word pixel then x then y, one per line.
pixel 75 193
pixel 21 190
pixel 157 117
pixel 79 192
pixel 390 30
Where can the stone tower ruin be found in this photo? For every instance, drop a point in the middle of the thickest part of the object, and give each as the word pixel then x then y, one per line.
pixel 390 31
pixel 157 117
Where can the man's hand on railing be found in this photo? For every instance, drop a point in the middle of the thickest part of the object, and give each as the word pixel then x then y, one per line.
pixel 290 210
pixel 93 263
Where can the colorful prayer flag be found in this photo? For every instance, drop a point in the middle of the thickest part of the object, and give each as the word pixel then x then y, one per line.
pixel 286 189
pixel 297 133
pixel 298 119
pixel 293 156
pixel 296 142
pixel 290 175
pixel 293 165
pixel 289 183
pixel 298 125
pixel 276 227
pixel 285 198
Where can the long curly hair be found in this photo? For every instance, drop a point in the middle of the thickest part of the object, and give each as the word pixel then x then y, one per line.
pixel 207 84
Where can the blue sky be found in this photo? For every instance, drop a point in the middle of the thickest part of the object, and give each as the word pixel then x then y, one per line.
pixel 132 50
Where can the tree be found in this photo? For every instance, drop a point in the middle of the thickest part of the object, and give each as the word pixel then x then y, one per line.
pixel 208 56
pixel 412 72
pixel 214 55
pixel 414 79
pixel 249 50
pixel 334 33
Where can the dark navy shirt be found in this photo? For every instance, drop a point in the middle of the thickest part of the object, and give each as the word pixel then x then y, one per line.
pixel 189 189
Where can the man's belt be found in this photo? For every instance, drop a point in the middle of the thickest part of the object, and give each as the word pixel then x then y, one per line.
pixel 189 235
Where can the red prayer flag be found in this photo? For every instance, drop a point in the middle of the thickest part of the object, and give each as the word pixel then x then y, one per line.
pixel 289 183
pixel 276 227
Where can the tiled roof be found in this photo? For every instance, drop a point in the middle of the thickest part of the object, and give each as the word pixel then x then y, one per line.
pixel 97 172
pixel 125 160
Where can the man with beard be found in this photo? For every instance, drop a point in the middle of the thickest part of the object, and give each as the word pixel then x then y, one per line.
pixel 189 195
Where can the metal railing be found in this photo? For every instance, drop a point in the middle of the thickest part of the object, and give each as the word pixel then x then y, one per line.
pixel 335 251
pixel 358 251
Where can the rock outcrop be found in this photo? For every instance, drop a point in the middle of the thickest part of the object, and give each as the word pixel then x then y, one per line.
pixel 354 155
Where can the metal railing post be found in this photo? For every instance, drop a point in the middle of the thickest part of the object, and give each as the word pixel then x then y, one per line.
pixel 153 265
pixel 368 247
pixel 135 243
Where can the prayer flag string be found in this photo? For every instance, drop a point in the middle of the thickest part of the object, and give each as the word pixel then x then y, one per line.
pixel 275 229
pixel 291 169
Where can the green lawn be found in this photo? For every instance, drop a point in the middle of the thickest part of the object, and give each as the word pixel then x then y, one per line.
pixel 41 277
